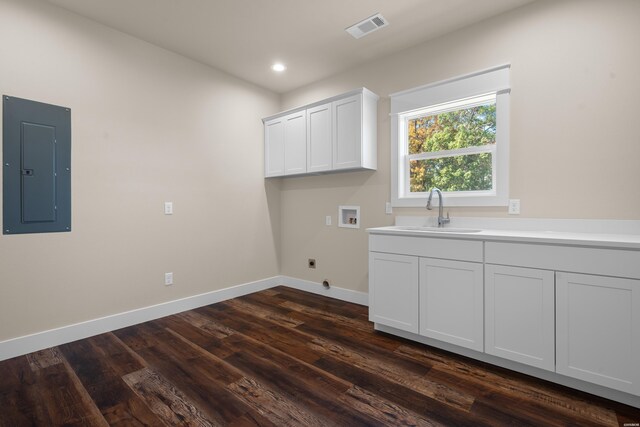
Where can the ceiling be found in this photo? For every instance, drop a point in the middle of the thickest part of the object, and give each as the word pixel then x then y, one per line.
pixel 245 37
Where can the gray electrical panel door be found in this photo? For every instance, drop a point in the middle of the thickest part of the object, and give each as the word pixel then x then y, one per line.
pixel 36 167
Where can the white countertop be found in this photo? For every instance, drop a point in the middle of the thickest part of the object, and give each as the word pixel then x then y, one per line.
pixel 474 231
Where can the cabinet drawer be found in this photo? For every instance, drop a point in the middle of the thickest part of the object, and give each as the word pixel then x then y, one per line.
pixel 462 250
pixel 606 262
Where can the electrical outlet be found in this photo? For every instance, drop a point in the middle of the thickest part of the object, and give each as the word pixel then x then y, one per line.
pixel 168 208
pixel 312 263
pixel 168 279
pixel 514 206
pixel 387 208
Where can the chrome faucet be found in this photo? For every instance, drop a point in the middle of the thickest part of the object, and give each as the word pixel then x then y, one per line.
pixel 441 219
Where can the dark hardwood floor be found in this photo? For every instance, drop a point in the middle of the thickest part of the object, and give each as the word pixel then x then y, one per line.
pixel 275 358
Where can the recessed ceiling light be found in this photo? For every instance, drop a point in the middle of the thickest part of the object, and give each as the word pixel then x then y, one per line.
pixel 278 67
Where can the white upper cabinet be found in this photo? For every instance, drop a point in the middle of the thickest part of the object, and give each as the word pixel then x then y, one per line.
pixel 340 133
pixel 274 147
pixel 319 147
pixel 347 132
pixel 295 143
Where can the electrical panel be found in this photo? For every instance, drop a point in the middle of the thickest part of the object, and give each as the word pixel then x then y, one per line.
pixel 36 162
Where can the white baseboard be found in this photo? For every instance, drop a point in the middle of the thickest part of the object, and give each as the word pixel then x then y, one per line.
pixel 356 297
pixel 53 337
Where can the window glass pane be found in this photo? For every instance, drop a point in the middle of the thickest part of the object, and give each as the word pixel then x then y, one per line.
pixel 468 127
pixel 471 172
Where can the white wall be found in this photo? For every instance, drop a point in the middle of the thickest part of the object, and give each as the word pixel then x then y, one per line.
pixel 147 126
pixel 574 139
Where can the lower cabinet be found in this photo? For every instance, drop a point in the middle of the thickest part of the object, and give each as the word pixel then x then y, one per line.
pixel 519 315
pixel 598 330
pixel 451 302
pixel 393 290
pixel 552 307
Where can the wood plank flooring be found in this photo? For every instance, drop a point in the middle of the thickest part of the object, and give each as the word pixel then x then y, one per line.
pixel 280 357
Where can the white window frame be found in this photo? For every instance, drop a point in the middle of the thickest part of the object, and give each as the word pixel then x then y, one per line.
pixel 449 95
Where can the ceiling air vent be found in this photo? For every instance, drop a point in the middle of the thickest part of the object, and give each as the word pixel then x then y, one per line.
pixel 367 26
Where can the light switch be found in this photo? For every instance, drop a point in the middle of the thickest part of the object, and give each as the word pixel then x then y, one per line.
pixel 327 220
pixel 168 208
pixel 387 208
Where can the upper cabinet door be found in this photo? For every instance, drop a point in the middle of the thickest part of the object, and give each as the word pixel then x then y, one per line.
pixel 295 143
pixel 274 147
pixel 347 132
pixel 319 138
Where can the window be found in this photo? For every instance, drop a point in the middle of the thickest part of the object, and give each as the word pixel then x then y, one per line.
pixel 452 135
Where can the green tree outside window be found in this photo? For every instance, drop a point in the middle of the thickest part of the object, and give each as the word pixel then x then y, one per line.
pixel 452 130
